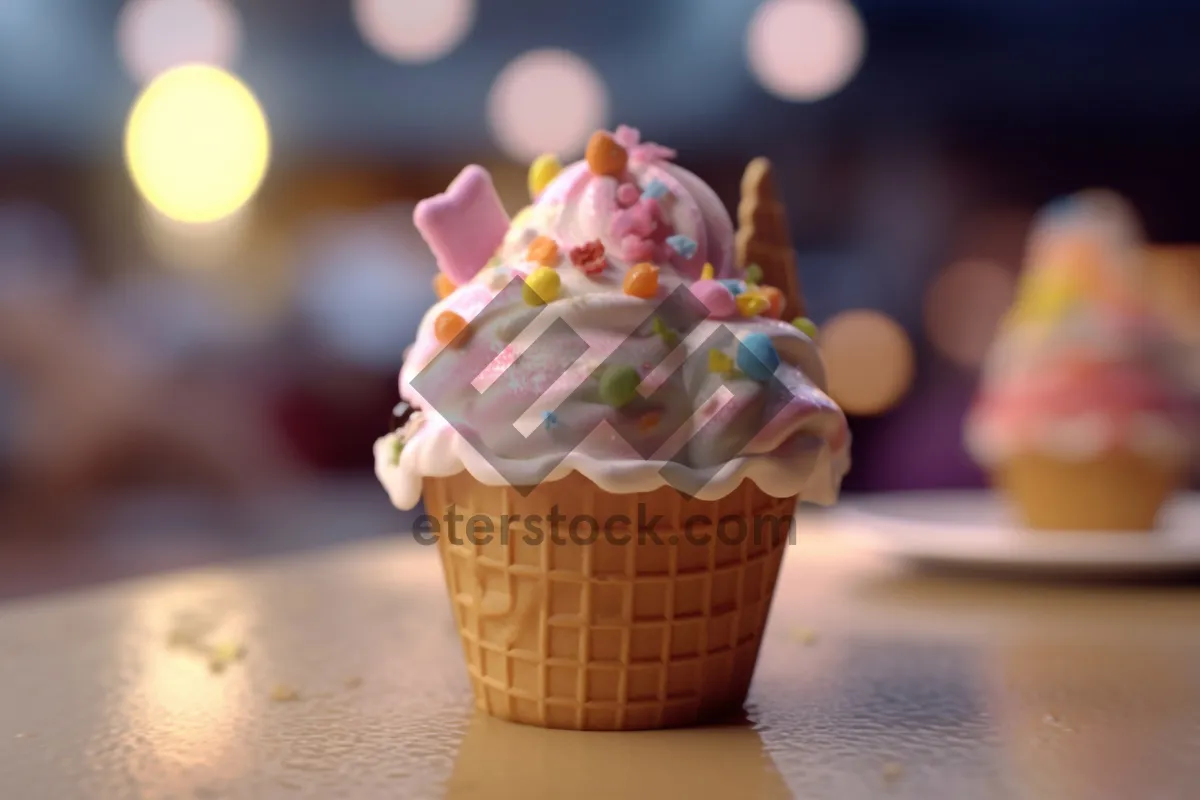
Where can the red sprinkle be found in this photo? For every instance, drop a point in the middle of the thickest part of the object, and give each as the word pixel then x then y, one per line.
pixel 589 258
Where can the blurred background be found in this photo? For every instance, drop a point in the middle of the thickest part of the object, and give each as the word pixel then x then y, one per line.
pixel 208 274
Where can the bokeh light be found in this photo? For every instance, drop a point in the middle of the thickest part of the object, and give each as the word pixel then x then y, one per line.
pixel 804 50
pixel 197 144
pixel 547 101
pixel 964 306
pixel 364 284
pixel 869 360
pixel 38 250
pixel 414 31
pixel 154 36
pixel 1174 285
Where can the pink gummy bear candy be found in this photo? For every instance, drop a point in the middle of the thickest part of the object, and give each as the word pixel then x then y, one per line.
pixel 464 225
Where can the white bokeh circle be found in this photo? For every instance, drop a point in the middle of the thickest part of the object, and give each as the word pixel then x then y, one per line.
pixel 154 36
pixel 804 50
pixel 547 101
pixel 414 31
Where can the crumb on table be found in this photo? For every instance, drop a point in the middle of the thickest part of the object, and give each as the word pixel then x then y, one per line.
pixel 892 771
pixel 222 654
pixel 282 693
pixel 805 636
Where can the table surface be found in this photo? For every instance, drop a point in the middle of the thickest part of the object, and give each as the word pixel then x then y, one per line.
pixel 872 682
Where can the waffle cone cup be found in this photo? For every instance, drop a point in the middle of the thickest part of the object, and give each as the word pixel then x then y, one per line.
pixel 1116 491
pixel 588 620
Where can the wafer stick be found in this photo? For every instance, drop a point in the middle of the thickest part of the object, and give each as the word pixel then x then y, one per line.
pixel 763 238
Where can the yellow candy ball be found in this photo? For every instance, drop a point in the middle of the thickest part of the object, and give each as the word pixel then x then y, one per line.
pixel 719 362
pixel 751 304
pixel 541 286
pixel 543 170
pixel 706 272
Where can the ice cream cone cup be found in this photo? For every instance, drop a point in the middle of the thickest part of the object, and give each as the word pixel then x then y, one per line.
pixel 582 609
pixel 1116 491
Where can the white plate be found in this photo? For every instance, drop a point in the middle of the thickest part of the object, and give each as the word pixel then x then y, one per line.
pixel 976 529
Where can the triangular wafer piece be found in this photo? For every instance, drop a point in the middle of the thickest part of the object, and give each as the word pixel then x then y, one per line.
pixel 763 238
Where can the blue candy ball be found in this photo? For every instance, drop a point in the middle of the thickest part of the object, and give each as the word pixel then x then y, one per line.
pixel 757 357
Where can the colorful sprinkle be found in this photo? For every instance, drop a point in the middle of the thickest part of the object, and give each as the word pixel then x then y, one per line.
pixel 706 272
pixel 716 299
pixel 618 385
pixel 655 190
pixel 541 286
pixel 449 327
pixel 543 250
pixel 754 274
pixel 735 287
pixel 683 245
pixel 669 337
pixel 719 363
pixel 443 285
pixel 751 304
pixel 634 248
pixel 605 156
pixel 641 281
pixel 397 449
pixel 549 419
pixel 806 326
pixel 757 357
pixel 627 195
pixel 774 299
pixel 589 257
pixel 649 420
pixel 542 171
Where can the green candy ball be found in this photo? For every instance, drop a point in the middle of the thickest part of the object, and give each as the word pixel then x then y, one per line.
pixel 618 385
pixel 806 326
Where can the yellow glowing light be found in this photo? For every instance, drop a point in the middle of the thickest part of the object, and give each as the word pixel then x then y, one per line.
pixel 197 144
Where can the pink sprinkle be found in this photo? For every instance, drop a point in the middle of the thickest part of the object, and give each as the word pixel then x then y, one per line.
pixel 644 221
pixel 634 248
pixel 622 223
pixel 653 152
pixel 628 194
pixel 626 136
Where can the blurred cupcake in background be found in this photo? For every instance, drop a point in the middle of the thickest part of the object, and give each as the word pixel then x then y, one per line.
pixel 1082 416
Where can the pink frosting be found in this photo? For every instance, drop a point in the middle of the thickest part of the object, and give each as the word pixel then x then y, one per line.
pixel 1120 393
pixel 592 209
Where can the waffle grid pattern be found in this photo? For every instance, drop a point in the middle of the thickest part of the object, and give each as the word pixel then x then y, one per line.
pixel 605 635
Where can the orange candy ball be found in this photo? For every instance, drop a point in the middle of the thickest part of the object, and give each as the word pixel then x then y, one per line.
pixel 605 156
pixel 543 250
pixel 774 298
pixel 641 281
pixel 447 328
pixel 443 286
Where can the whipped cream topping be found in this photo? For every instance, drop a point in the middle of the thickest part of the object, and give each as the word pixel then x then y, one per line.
pixel 711 427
